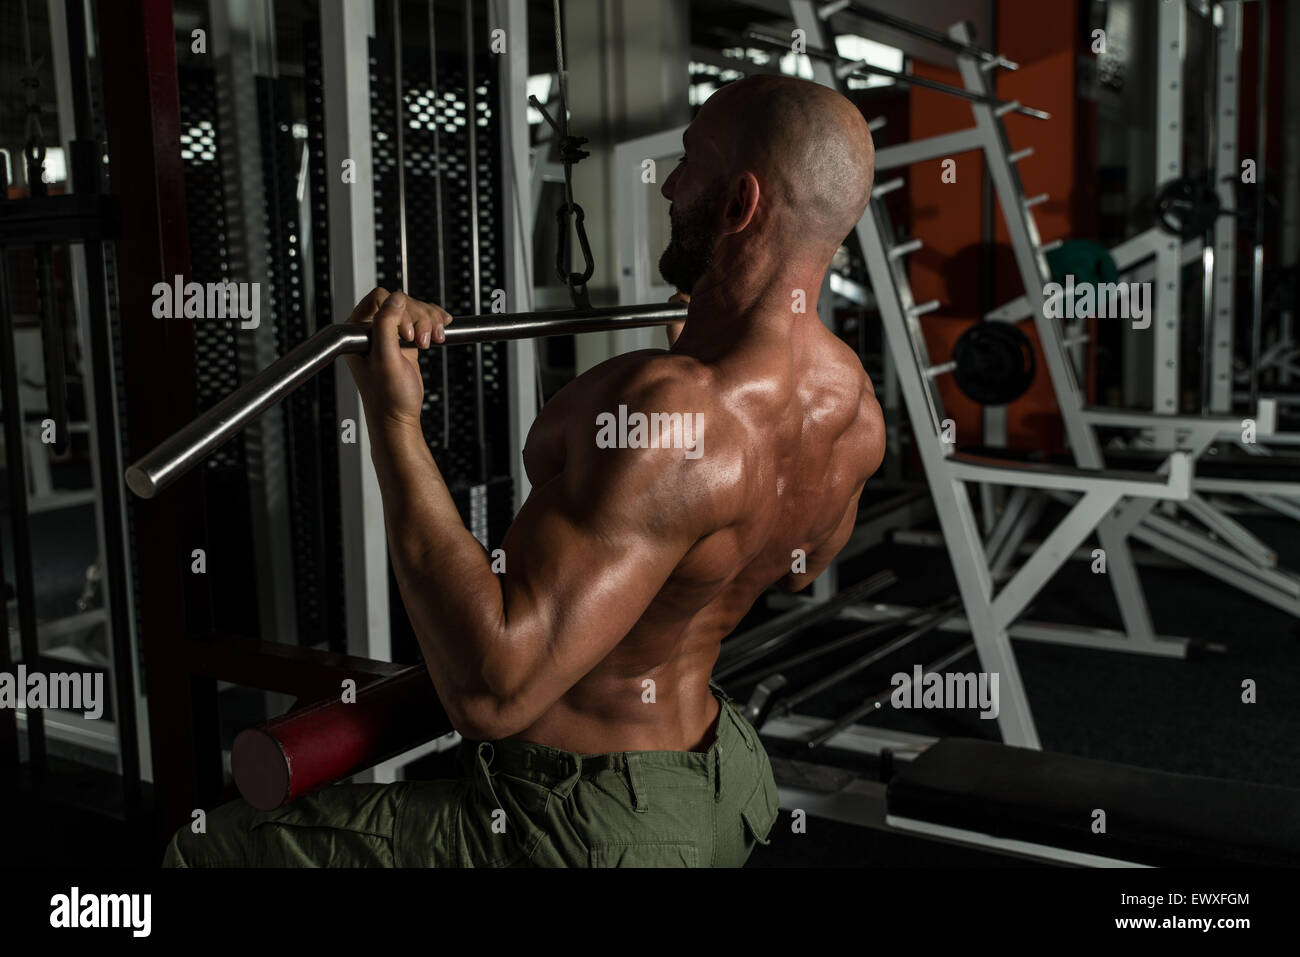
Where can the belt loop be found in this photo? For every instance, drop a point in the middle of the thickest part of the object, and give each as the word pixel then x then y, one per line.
pixel 574 767
pixel 638 800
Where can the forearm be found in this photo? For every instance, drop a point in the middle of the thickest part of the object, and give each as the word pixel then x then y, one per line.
pixel 452 597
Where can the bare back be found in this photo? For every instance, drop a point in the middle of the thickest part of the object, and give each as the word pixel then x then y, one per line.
pixel 793 432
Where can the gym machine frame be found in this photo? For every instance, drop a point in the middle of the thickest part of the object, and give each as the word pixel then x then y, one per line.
pixel 1226 549
pixel 88 222
pixel 345 34
pixel 1238 557
pixel 183 663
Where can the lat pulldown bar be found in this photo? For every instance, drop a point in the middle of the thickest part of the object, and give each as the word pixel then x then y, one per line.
pixel 184 450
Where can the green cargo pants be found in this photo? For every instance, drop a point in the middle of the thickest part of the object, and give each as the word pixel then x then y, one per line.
pixel 519 805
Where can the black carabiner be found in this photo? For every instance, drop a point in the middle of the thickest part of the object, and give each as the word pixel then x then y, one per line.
pixel 577 282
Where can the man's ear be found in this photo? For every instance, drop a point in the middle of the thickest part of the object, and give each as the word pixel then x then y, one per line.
pixel 741 205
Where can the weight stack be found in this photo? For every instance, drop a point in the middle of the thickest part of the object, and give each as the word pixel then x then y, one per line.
pixel 216 362
pixel 466 401
pixel 469 438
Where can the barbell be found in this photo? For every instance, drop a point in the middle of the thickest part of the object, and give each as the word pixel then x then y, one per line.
pixel 178 454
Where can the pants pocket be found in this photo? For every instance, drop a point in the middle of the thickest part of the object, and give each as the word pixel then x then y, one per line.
pixel 645 854
pixel 762 809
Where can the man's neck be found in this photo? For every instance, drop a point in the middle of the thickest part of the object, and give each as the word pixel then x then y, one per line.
pixel 748 295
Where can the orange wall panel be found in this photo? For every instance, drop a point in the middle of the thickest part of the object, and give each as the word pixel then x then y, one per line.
pixel 948 217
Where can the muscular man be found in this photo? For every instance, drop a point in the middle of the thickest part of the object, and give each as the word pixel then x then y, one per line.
pixel 580 674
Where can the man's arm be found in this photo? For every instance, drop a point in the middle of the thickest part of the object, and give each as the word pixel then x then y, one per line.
pixel 585 556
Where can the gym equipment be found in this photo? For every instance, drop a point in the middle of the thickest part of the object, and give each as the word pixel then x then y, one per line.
pixel 476 258
pixel 1085 260
pixel 851 716
pixel 917 30
pixel 84 221
pixel 844 641
pixel 754 644
pixel 1231 552
pixel 928 624
pixel 569 215
pixel 310 747
pixel 862 69
pixel 184 450
pixel 56 388
pixel 1042 805
pixel 1188 207
pixel 352 247
pixel 1213 542
pixel 440 250
pixel 1151 256
pixel 761 699
pixel 1257 252
pixel 766 698
pixel 995 363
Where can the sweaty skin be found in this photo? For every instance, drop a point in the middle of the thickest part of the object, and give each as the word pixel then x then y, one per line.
pixel 630 565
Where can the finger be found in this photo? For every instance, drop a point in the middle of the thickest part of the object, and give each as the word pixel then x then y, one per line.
pixel 422 316
pixel 410 313
pixel 442 319
pixel 369 305
pixel 683 297
pixel 389 321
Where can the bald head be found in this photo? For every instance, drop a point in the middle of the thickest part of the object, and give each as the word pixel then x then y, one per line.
pixel 783 163
pixel 807 144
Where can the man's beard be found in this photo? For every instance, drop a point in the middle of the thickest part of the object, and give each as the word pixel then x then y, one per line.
pixel 690 245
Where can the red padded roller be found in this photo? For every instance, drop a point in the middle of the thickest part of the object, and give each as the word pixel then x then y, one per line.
pixel 307 749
